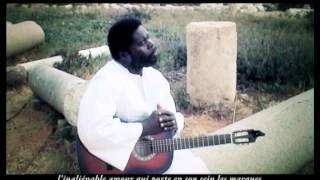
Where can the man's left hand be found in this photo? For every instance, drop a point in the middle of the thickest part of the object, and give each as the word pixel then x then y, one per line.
pixel 167 119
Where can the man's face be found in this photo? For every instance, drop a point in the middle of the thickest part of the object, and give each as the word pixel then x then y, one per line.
pixel 142 49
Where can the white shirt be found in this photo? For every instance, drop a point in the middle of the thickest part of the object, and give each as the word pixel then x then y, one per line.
pixel 113 94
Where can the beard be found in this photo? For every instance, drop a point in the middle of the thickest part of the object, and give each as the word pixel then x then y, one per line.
pixel 145 61
pixel 150 61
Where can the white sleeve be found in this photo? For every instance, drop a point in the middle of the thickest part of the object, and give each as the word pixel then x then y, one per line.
pixel 103 135
pixel 170 105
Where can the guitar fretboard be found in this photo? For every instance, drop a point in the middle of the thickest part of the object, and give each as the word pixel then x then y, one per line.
pixel 167 145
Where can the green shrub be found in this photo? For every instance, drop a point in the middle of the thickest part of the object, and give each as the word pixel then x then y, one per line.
pixel 276 50
pixel 81 66
pixel 172 49
pixel 180 57
pixel 286 6
pixel 180 96
pixel 143 15
pixel 270 7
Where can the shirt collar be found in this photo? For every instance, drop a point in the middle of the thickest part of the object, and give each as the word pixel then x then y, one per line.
pixel 124 69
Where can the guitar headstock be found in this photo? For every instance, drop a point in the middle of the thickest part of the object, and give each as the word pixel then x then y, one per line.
pixel 246 136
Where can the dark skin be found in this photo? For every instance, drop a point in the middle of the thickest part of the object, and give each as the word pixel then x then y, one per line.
pixel 141 53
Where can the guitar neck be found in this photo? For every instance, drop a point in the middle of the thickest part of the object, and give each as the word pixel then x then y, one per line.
pixel 167 145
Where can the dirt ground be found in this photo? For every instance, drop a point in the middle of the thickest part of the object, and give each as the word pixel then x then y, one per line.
pixel 39 141
pixel 32 140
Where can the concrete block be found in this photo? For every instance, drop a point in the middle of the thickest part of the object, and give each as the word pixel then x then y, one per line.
pixel 211 62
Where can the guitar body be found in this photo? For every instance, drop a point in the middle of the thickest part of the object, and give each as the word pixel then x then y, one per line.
pixel 154 163
pixel 154 154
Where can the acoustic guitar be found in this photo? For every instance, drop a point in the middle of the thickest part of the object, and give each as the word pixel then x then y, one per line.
pixel 154 154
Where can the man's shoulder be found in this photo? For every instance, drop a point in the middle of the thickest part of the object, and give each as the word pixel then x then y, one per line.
pixel 155 73
pixel 107 77
pixel 108 71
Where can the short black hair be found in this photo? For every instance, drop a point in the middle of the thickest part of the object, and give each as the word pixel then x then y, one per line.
pixel 120 35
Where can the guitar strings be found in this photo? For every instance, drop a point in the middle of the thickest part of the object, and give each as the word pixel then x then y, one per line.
pixel 163 145
pixel 155 145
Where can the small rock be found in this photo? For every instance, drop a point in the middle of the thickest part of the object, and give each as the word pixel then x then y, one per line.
pixel 115 6
pixel 106 5
pixel 69 6
pixel 36 103
pixel 61 123
pixel 260 7
pixel 136 7
pixel 16 76
pixel 252 8
pixel 83 7
pixel 272 103
pixel 244 97
pixel 143 6
pixel 127 6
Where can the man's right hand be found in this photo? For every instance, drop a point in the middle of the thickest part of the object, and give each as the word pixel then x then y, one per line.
pixel 152 125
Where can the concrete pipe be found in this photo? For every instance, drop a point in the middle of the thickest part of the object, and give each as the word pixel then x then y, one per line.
pixel 23 36
pixel 95 52
pixel 47 61
pixel 61 90
pixel 287 147
pixel 17 75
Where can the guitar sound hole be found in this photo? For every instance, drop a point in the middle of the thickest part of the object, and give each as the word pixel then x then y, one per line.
pixel 143 149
